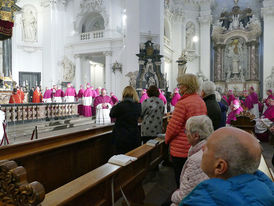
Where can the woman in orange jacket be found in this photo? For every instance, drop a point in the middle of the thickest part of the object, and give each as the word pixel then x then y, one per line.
pixel 190 104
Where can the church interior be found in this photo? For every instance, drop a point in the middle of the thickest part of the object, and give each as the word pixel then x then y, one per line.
pixel 120 102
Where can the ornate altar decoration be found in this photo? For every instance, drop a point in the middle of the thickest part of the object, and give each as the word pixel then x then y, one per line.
pixel 150 67
pixel 236 39
pixel 183 59
pixel 8 7
pixel 117 67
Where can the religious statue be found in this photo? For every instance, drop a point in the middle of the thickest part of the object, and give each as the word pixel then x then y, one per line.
pixel 190 32
pixel 29 26
pixel 68 70
pixel 235 21
pixel 234 55
pixel 269 81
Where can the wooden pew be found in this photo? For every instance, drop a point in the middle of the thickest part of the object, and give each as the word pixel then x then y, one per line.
pixel 14 187
pixel 57 160
pixel 245 121
pixel 102 185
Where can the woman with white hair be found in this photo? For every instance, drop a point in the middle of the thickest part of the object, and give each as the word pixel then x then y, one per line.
pixel 213 108
pixel 198 128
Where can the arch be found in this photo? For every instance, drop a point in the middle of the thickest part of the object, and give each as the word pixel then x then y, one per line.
pixel 92 22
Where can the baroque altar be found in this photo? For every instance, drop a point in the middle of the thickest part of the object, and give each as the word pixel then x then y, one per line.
pixel 236 40
pixel 150 67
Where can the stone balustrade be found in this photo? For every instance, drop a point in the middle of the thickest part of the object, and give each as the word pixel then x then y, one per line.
pixel 33 112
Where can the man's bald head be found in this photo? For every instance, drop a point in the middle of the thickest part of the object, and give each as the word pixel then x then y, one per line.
pixel 230 152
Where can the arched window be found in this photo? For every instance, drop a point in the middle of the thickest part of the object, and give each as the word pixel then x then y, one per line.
pixel 93 22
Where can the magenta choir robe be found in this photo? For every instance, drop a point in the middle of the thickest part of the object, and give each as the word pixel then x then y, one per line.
pixel 144 97
pixel 232 114
pixel 70 95
pixel 175 99
pixel 80 99
pixel 163 98
pixel 114 99
pixel 269 113
pixel 59 94
pixel 47 96
pixel 225 98
pixel 231 98
pixel 248 103
pixel 255 103
pixel 267 100
pixel 96 92
pixel 102 112
pixel 87 102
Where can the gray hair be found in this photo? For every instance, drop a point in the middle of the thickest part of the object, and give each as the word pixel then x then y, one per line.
pixel 201 125
pixel 218 96
pixel 238 157
pixel 209 88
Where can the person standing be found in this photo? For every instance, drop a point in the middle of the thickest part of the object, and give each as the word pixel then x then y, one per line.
pixel 103 105
pixel 127 112
pixel 236 109
pixel 144 96
pixel 87 101
pixel 114 99
pixel 15 98
pixel 190 104
pixel 47 95
pixel 152 115
pixel 213 108
pixel 251 102
pixel 21 93
pixel 80 100
pixel 70 94
pixel 37 96
pixel 31 94
pixel 58 96
pixel 175 98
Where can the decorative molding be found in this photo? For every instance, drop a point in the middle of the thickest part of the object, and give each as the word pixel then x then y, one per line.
pixel 15 189
pixel 47 3
pixel 90 6
pixel 269 81
pixel 107 53
pixel 205 19
pixel 29 48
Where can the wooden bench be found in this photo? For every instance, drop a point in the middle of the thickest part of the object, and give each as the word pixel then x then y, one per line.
pixel 57 160
pixel 245 121
pixel 103 185
pixel 14 187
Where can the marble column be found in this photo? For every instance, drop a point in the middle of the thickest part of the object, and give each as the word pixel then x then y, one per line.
pixel 78 72
pixel 268 16
pixel 205 45
pixel 108 70
pixel 7 57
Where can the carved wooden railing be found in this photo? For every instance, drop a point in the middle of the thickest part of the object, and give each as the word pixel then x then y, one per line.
pixel 14 187
pixel 31 112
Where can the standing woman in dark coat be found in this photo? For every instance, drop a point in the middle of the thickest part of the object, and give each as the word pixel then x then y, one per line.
pixel 126 132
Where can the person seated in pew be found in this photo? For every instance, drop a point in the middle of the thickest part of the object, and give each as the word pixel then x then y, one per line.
pixel 15 98
pixel 231 158
pixel 198 128
pixel 127 112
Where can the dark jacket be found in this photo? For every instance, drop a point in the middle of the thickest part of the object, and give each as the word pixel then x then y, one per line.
pixel 126 132
pixel 213 110
pixel 224 109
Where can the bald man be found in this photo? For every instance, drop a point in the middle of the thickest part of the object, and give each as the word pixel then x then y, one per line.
pixel 231 159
